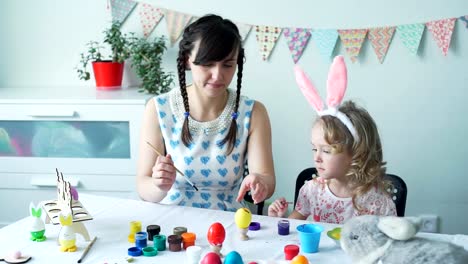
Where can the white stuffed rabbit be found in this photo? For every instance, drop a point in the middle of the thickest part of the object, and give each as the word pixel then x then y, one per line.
pixel 67 236
pixel 390 239
pixel 37 229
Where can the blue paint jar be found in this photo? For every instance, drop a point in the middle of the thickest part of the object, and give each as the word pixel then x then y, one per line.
pixel 140 240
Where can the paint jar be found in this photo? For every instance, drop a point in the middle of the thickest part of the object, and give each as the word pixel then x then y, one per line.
pixel 179 230
pixel 283 227
pixel 152 231
pixel 140 240
pixel 188 239
pixel 174 242
pixel 193 254
pixel 159 242
pixel 135 226
pixel 290 251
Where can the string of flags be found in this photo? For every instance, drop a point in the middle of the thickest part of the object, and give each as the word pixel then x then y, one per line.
pixel 297 38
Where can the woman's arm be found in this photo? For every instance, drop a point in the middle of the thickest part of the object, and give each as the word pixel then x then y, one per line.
pixel 147 185
pixel 261 179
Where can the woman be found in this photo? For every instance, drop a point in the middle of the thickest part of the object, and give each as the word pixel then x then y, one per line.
pixel 206 129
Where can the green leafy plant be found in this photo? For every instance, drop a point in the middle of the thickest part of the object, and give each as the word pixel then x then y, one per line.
pixel 146 59
pixel 119 48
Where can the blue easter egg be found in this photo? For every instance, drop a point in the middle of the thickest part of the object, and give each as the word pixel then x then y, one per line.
pixel 233 258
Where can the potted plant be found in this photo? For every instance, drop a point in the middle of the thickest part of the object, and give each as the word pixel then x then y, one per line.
pixel 146 57
pixel 108 71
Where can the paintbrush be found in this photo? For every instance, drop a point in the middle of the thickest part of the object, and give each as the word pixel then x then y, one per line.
pixel 185 177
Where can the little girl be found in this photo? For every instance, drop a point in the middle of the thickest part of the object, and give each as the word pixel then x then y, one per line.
pixel 348 158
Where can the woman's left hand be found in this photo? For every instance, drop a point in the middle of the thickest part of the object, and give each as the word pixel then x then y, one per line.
pixel 257 187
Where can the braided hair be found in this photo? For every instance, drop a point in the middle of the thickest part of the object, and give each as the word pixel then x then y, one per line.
pixel 218 39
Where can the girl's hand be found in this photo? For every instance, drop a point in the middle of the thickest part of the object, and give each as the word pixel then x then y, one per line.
pixel 278 208
pixel 257 187
pixel 164 173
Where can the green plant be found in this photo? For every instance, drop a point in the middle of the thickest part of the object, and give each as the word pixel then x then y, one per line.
pixel 146 58
pixel 119 49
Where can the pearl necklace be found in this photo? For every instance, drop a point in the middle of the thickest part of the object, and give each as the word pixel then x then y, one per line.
pixel 212 127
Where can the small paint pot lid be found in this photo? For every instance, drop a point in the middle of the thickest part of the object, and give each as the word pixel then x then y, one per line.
pixel 254 226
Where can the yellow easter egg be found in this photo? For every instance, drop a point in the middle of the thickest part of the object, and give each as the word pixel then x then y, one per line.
pixel 299 259
pixel 243 217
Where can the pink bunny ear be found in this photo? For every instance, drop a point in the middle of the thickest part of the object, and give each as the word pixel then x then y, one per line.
pixel 337 82
pixel 308 89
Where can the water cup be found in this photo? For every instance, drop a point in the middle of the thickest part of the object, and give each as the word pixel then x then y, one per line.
pixel 309 236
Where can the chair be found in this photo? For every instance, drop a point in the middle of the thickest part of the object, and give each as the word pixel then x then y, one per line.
pixel 398 192
pixel 248 196
pixel 302 178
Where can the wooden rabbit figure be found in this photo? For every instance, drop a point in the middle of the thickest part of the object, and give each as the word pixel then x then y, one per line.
pixel 37 227
pixel 67 237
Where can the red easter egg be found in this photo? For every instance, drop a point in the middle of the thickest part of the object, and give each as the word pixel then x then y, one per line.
pixel 211 258
pixel 216 234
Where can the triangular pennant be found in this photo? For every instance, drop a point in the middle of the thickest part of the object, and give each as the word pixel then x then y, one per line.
pixel 176 23
pixel 442 32
pixel 149 17
pixel 352 40
pixel 297 39
pixel 326 41
pixel 267 36
pixel 121 9
pixel 244 30
pixel 380 39
pixel 411 35
pixel 465 19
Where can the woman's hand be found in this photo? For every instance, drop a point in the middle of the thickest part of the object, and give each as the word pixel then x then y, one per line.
pixel 164 173
pixel 256 185
pixel 278 208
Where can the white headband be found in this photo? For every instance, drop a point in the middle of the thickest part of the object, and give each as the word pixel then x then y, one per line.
pixel 336 88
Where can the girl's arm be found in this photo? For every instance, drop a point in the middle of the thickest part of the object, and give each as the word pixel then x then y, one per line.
pixel 261 179
pixel 151 132
pixel 296 215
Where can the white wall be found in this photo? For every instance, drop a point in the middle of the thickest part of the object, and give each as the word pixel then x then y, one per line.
pixel 419 103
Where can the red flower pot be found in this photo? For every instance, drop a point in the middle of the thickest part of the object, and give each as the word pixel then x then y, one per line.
pixel 108 74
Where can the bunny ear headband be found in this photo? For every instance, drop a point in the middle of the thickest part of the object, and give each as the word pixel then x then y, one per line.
pixel 336 88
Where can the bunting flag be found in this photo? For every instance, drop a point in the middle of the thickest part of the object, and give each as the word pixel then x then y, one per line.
pixel 121 9
pixel 352 40
pixel 297 39
pixel 411 35
pixel 465 19
pixel 380 39
pixel 267 37
pixel 149 17
pixel 442 32
pixel 326 41
pixel 244 30
pixel 176 23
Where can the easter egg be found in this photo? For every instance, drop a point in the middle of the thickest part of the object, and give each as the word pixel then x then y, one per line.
pixel 211 258
pixel 243 217
pixel 299 259
pixel 216 234
pixel 233 258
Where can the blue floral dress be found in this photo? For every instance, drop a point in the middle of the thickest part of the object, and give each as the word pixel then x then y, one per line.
pixel 205 162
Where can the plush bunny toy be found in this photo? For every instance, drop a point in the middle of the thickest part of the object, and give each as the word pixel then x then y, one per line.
pixel 390 239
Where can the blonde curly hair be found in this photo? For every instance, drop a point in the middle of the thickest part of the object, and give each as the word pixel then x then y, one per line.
pixel 367 166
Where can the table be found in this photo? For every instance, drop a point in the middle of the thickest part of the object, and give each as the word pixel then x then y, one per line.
pixel 111 224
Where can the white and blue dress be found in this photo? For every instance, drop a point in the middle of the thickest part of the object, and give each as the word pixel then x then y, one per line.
pixel 205 162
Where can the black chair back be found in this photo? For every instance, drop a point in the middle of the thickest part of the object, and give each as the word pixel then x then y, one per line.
pixel 398 193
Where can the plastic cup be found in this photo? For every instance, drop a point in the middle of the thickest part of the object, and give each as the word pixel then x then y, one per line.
pixel 309 236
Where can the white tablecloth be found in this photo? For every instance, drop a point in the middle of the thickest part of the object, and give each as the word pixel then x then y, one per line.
pixel 112 217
